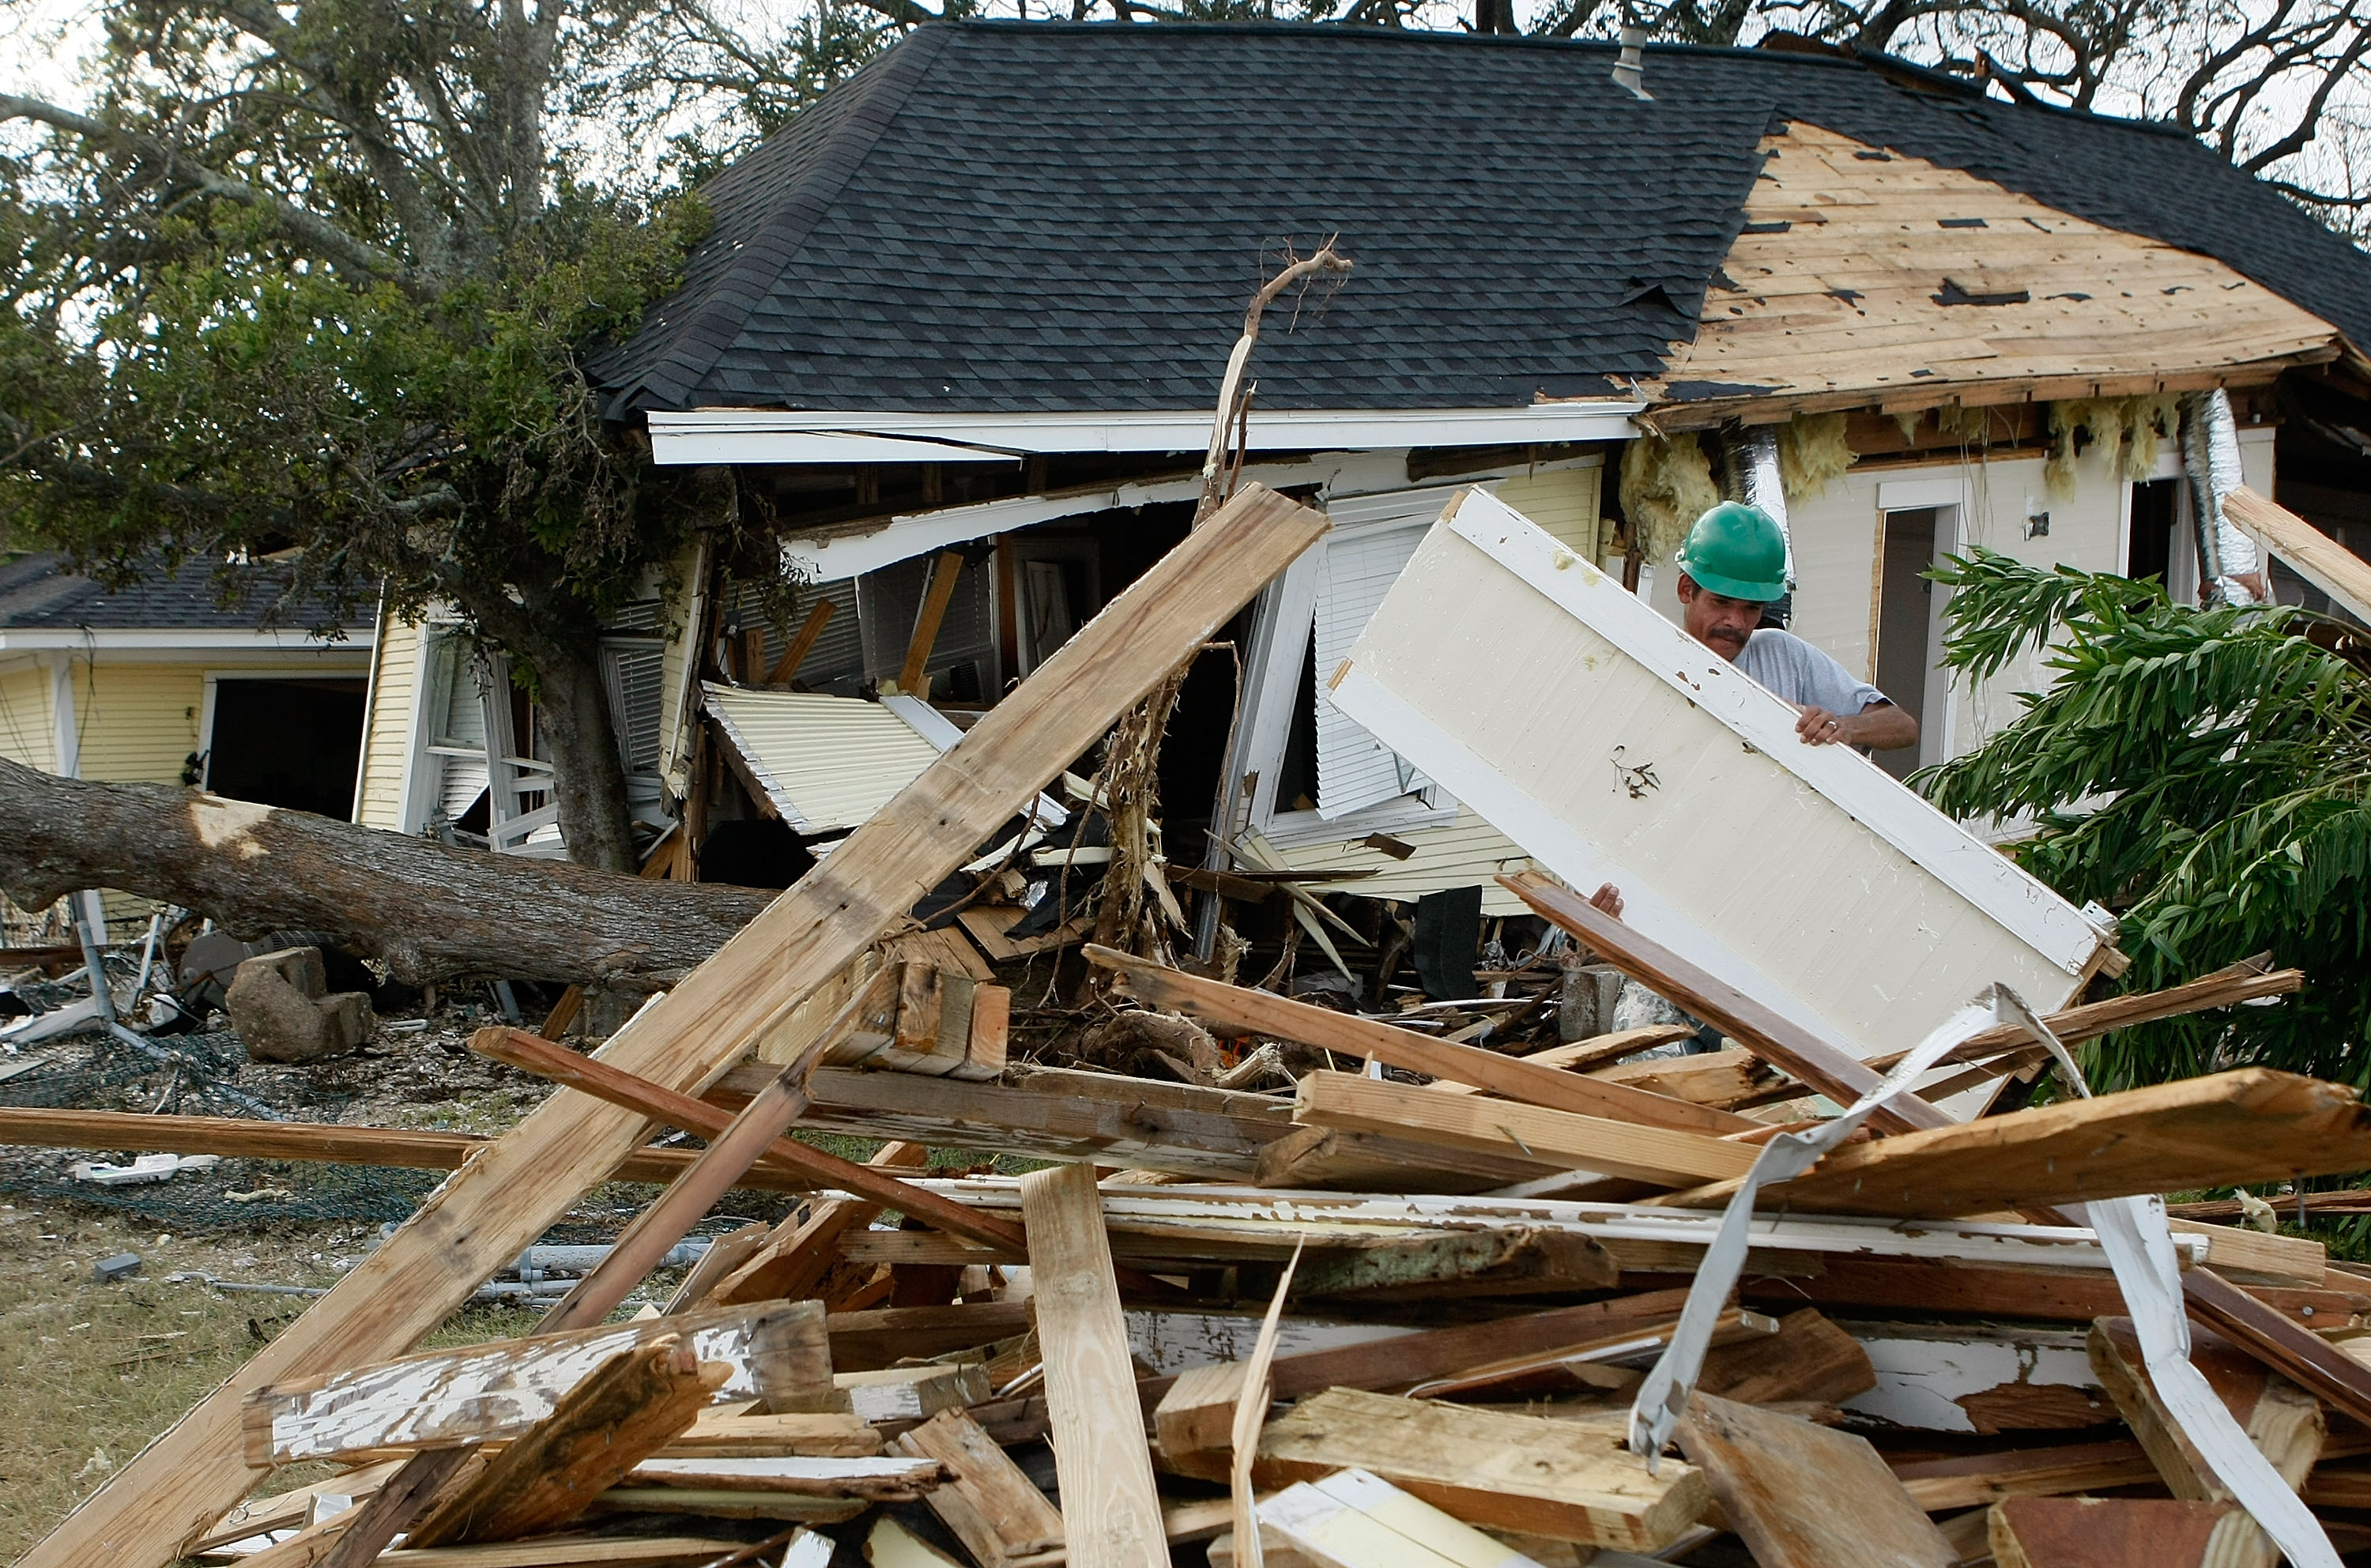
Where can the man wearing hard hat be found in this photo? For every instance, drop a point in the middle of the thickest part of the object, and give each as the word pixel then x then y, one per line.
pixel 1734 563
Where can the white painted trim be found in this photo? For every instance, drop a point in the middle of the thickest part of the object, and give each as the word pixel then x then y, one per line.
pixel 370 697
pixel 913 533
pixel 165 640
pixel 2012 898
pixel 1911 495
pixel 759 435
pixel 206 734
pixel 66 729
pixel 418 733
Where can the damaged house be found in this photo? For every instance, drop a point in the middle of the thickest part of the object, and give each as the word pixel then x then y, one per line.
pixel 957 334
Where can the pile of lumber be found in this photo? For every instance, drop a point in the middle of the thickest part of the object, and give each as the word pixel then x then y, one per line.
pixel 1440 1302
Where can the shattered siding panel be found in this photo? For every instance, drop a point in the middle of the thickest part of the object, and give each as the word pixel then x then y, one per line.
pixel 1464 853
pixel 387 727
pixel 828 763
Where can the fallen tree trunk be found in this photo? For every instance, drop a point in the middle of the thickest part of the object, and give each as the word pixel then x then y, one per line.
pixel 430 910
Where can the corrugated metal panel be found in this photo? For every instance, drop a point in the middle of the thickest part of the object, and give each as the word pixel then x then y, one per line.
pixel 387 727
pixel 1462 853
pixel 828 763
pixel 26 735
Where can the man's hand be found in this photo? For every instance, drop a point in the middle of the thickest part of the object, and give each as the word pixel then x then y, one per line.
pixel 1608 899
pixel 1881 727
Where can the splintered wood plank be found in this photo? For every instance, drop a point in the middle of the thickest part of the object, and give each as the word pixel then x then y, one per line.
pixel 1235 1006
pixel 1349 1102
pixel 487 1392
pixel 2123 1532
pixel 1803 1496
pixel 1808 1359
pixel 1969 1480
pixel 2252 1319
pixel 1498 1471
pixel 2320 560
pixel 794 1258
pixel 2283 1421
pixel 812 1434
pixel 1111 1514
pixel 2230 1129
pixel 513 1191
pixel 878 1478
pixel 1458 1265
pixel 620 1414
pixel 566 1551
pixel 988 1501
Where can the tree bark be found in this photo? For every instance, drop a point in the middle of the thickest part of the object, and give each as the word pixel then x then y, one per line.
pixel 430 910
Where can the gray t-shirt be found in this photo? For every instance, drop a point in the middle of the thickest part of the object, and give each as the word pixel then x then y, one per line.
pixel 1804 676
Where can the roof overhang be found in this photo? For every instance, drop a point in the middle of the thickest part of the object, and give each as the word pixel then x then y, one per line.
pixel 167 640
pixel 758 435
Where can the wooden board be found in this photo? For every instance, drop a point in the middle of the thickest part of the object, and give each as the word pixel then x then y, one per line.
pixel 988 1501
pixel 1896 914
pixel 484 1392
pixel 514 1191
pixel 622 1414
pixel 1969 1480
pixel 793 1259
pixel 1809 1358
pixel 1110 1512
pixel 1803 1496
pixel 1492 1469
pixel 2230 1129
pixel 2318 558
pixel 1240 1008
pixel 2253 1318
pixel 1349 1102
pixel 2284 1422
pixel 2120 1532
pixel 404 1148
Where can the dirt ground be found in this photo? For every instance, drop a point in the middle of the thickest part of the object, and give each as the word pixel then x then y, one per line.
pixel 94 1369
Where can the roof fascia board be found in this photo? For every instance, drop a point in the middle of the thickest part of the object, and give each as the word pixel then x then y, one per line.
pixel 195 643
pixel 911 533
pixel 753 435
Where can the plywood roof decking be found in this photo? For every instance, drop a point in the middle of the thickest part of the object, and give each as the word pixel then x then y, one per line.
pixel 1866 275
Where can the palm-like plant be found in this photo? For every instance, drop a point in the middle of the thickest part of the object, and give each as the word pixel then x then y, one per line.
pixel 2206 774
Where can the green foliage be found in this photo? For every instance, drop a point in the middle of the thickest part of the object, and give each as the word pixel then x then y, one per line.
pixel 2202 772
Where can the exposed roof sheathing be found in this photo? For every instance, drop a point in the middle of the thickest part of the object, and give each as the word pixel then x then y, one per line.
pixel 1000 216
pixel 1879 276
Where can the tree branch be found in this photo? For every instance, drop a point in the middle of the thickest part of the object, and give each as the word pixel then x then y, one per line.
pixel 308 228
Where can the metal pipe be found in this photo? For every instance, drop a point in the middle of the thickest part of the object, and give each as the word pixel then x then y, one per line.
pixel 2210 458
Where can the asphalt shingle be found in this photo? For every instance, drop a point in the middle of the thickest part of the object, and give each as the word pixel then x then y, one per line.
pixel 1014 216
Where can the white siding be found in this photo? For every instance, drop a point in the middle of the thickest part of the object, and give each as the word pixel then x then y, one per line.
pixel 387 728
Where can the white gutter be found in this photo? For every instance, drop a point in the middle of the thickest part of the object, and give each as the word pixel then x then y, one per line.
pixel 167 640
pixel 911 534
pixel 759 435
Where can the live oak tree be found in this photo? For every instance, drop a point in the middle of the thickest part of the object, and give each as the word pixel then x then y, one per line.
pixel 316 279
pixel 2206 774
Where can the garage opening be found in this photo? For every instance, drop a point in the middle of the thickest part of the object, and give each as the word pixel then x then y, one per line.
pixel 287 743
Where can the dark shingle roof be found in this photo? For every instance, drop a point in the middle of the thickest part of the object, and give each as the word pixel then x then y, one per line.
pixel 40 592
pixel 1003 216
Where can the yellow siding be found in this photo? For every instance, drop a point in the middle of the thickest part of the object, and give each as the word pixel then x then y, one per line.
pixel 26 733
pixel 1462 853
pixel 388 727
pixel 1563 503
pixel 138 722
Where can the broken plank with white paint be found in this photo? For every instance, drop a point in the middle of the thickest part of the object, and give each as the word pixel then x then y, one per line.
pixel 486 1392
pixel 882 1477
pixel 1895 914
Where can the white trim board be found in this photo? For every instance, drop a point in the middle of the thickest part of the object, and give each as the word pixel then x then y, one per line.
pixel 1528 682
pixel 762 435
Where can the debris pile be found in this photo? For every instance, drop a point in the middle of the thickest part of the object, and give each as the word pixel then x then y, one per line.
pixel 1458 1296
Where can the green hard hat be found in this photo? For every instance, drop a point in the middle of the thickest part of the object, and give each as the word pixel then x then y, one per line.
pixel 1736 551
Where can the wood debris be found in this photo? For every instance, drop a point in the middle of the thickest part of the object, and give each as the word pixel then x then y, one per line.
pixel 1495 1250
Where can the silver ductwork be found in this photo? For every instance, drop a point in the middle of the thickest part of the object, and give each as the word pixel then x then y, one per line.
pixel 2210 458
pixel 1753 474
